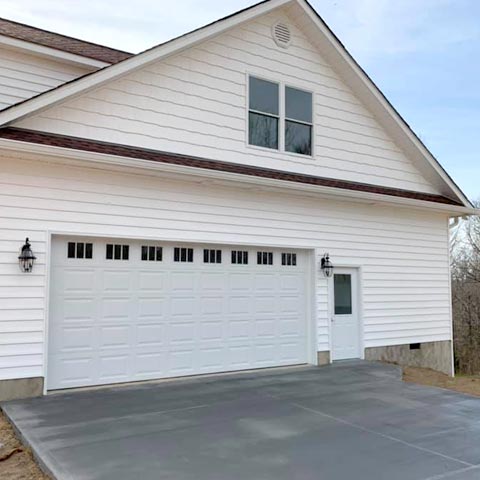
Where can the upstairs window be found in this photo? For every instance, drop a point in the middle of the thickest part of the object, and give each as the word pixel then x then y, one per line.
pixel 264 113
pixel 298 121
pixel 280 117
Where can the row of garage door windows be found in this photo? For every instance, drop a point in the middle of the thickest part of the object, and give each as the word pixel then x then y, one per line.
pixel 180 254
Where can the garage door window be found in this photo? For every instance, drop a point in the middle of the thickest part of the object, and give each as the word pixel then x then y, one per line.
pixel 152 253
pixel 183 255
pixel 239 257
pixel 117 252
pixel 264 258
pixel 212 256
pixel 79 250
pixel 289 259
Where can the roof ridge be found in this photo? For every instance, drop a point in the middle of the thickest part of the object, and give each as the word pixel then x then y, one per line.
pixel 25 32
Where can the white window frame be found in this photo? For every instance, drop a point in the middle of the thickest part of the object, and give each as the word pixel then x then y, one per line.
pixel 280 114
pixel 281 118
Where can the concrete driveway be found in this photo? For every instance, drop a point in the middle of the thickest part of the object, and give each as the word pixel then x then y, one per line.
pixel 354 421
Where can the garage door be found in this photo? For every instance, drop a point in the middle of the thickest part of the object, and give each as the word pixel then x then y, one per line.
pixel 123 311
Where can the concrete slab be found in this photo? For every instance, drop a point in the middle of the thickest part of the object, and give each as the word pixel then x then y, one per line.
pixel 342 422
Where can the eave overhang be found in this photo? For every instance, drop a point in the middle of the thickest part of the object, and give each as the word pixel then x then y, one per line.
pixel 116 155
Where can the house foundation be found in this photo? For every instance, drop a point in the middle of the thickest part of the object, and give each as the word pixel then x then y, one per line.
pixel 434 355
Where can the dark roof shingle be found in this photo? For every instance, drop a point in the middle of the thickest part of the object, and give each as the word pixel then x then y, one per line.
pixel 95 146
pixel 64 43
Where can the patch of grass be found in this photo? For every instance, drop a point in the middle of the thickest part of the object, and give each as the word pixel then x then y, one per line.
pixel 16 461
pixel 460 383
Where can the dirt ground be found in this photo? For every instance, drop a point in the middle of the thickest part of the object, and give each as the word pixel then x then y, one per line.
pixel 424 376
pixel 16 462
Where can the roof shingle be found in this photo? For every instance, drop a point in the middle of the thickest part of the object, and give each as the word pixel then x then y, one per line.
pixel 64 43
pixel 83 144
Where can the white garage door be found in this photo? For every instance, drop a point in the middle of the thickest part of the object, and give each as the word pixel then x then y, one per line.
pixel 124 311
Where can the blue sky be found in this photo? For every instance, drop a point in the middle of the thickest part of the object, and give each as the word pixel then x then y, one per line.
pixel 423 54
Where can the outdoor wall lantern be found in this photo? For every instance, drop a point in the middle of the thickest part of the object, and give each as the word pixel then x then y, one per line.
pixel 26 258
pixel 327 266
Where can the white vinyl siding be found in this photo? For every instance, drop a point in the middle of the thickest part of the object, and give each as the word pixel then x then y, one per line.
pixel 195 103
pixel 23 75
pixel 403 254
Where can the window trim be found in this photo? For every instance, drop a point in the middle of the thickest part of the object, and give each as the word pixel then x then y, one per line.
pixel 282 84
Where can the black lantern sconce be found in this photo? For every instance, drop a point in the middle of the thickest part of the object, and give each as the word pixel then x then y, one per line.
pixel 26 258
pixel 327 266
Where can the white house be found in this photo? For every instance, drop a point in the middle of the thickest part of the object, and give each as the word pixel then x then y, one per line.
pixel 179 203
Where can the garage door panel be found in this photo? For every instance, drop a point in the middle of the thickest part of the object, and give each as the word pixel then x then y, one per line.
pixel 78 282
pixel 73 338
pixel 239 329
pixel 211 306
pixel 265 354
pixel 151 365
pixel 288 352
pixel 151 308
pixel 239 357
pixel 239 305
pixel 152 334
pixel 289 327
pixel 240 282
pixel 212 358
pixel 212 282
pixel 265 304
pixel 73 370
pixel 113 281
pixel 182 332
pixel 289 304
pixel 181 362
pixel 291 283
pixel 152 281
pixel 115 309
pixel 74 309
pixel 114 368
pixel 211 330
pixel 138 319
pixel 266 327
pixel 182 282
pixel 115 336
pixel 266 282
pixel 183 306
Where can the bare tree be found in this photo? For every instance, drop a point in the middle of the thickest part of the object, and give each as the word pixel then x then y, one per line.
pixel 465 249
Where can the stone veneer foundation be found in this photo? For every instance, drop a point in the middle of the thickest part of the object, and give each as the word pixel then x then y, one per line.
pixel 323 358
pixel 434 355
pixel 21 388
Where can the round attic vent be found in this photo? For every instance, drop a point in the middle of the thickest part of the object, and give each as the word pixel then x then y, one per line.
pixel 281 34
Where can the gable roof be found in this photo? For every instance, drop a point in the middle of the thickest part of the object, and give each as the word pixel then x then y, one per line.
pixel 30 34
pixel 323 38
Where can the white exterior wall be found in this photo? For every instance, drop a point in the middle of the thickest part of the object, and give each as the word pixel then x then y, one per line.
pixel 196 103
pixel 403 254
pixel 23 75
